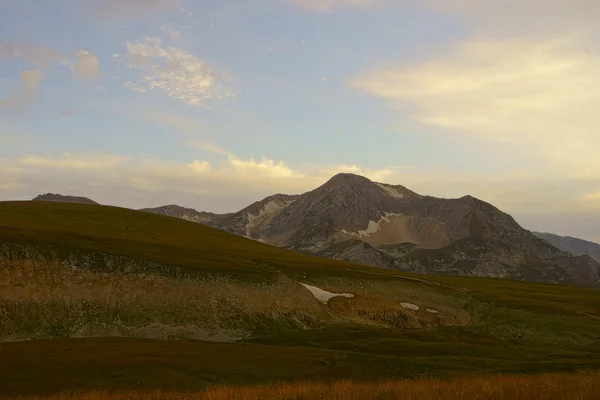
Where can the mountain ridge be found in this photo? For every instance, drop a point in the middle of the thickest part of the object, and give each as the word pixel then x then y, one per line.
pixel 464 236
pixel 352 218
pixel 572 245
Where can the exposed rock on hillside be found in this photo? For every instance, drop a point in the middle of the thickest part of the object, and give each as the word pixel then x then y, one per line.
pixel 63 199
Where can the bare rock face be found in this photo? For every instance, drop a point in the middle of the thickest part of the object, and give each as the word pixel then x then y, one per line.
pixel 188 214
pixel 578 247
pixel 352 218
pixel 63 199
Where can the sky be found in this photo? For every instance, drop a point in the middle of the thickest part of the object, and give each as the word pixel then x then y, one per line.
pixel 216 104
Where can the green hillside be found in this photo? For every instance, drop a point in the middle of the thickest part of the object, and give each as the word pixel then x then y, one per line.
pixel 158 238
pixel 75 277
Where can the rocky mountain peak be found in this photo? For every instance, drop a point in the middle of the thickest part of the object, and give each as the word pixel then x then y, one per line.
pixel 346 178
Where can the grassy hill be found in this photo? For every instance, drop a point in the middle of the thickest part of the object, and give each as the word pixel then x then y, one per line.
pixel 95 286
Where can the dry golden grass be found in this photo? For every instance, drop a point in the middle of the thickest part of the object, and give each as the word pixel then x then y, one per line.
pixel 582 386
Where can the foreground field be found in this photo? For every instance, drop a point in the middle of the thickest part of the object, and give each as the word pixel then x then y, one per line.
pixel 44 367
pixel 543 387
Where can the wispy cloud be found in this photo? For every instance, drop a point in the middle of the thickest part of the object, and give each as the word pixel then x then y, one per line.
pixel 529 93
pixel 36 54
pixel 174 71
pixel 30 79
pixel 86 65
pixel 518 16
pixel 330 5
pixel 113 9
pixel 238 177
pixel 196 131
pixel 134 87
pixel 171 30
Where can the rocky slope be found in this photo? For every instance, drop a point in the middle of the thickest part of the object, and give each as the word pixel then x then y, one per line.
pixel 578 247
pixel 188 214
pixel 248 222
pixel 352 218
pixel 63 199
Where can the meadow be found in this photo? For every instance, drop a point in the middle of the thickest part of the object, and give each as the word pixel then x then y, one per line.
pixel 540 387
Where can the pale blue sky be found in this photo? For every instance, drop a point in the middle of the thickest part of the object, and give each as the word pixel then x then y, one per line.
pixel 213 104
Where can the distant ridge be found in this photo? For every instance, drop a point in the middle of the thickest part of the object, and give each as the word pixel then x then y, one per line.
pixel 575 246
pixel 63 199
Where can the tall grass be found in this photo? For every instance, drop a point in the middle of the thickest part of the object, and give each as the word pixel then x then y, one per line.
pixel 581 386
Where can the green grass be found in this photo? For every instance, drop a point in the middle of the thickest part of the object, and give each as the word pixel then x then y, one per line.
pixel 158 238
pixel 51 366
pixel 137 271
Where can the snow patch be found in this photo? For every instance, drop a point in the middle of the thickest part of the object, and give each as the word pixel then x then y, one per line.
pixel 410 306
pixel 323 295
pixel 373 227
pixel 392 191
pixel 432 311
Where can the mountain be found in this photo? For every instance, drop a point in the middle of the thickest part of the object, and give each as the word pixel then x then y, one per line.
pixel 352 218
pixel 572 245
pixel 63 199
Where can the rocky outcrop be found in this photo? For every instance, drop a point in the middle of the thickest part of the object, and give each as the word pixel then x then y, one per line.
pixel 63 199
pixel 188 214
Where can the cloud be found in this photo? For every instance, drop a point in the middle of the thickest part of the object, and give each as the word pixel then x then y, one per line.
pixel 38 55
pixel 530 94
pixel 87 65
pixel 175 72
pixel 113 9
pixel 524 16
pixel 134 87
pixel 234 182
pixel 171 30
pixel 329 5
pixel 194 128
pixel 30 79
pixel 210 147
pixel 233 176
pixel 65 113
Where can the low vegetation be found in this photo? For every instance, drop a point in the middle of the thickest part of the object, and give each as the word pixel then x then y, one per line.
pixel 543 387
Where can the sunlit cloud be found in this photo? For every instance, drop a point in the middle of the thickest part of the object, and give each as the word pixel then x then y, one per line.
pixel 174 71
pixel 529 93
pixel 87 65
